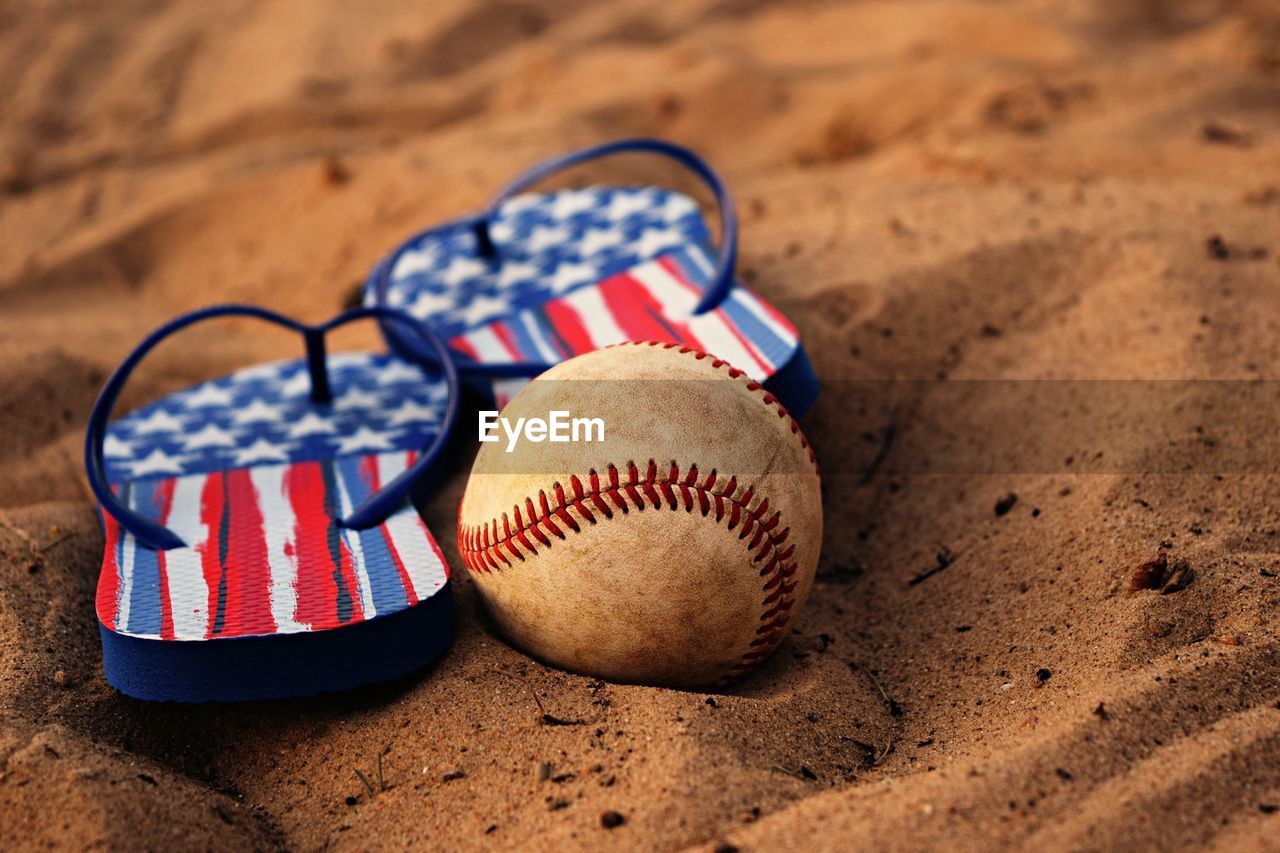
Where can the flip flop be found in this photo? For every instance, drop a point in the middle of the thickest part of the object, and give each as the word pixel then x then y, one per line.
pixel 259 538
pixel 547 276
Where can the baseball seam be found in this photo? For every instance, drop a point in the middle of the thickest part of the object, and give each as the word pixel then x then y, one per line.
pixel 481 545
pixel 752 385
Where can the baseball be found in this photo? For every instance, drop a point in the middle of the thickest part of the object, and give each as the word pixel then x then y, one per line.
pixel 674 545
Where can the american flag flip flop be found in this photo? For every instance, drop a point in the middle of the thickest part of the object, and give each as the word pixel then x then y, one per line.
pixel 542 277
pixel 259 538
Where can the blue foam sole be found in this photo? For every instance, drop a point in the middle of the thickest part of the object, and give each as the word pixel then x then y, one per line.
pixel 237 669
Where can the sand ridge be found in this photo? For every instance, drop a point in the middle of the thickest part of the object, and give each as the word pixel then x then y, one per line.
pixel 941 189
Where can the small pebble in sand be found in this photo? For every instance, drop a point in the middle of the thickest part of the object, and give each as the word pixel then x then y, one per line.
pixel 16 172
pixel 1149 575
pixel 667 105
pixel 334 172
pixel 1042 675
pixel 1225 133
pixel 1004 504
pixel 60 678
pixel 612 819
pixel 1007 686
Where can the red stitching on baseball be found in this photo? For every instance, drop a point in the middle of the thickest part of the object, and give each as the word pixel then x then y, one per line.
pixel 478 545
pixel 734 373
pixel 482 551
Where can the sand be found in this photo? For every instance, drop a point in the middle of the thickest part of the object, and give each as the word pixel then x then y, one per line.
pixel 932 190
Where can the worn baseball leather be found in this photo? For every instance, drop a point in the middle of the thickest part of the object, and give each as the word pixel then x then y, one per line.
pixel 701 576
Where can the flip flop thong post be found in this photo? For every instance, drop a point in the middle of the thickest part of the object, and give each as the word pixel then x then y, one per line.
pixel 547 276
pixel 259 538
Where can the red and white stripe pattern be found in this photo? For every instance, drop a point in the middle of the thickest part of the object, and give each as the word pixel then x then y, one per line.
pixel 654 301
pixel 264 553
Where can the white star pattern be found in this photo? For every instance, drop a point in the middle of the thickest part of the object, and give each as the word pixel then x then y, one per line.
pixel 208 394
pixel 654 240
pixel 501 231
pixel 311 424
pixel 624 204
pixel 519 203
pixel 389 405
pixel 209 436
pixel 548 244
pixel 677 207
pixel 427 304
pixel 158 421
pixel 399 371
pixel 156 462
pixel 269 370
pixel 568 202
pixel 568 275
pixel 297 385
pixel 462 268
pixel 598 239
pixel 410 412
pixel 415 261
pixel 340 360
pixel 513 272
pixel 483 309
pixel 355 399
pixel 114 446
pixel 544 237
pixel 261 451
pixel 365 439
pixel 256 412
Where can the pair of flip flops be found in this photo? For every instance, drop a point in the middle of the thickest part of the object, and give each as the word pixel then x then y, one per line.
pixel 260 538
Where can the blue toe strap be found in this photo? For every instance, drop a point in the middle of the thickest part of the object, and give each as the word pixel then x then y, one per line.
pixel 373 511
pixel 721 280
pixel 480 224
